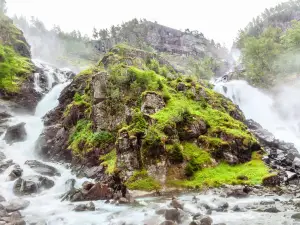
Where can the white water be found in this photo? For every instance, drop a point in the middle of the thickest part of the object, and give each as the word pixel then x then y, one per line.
pixel 259 106
pixel 47 206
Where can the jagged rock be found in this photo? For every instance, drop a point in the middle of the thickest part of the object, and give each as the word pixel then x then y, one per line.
pixel 99 83
pixel 15 205
pixel 15 173
pixel 176 204
pixel 271 181
pixel 2 156
pixel 192 129
pixel 204 220
pixel 168 222
pixel 16 133
pixel 152 103
pixel 5 164
pixel 42 168
pixel 85 207
pixel 173 215
pixel 222 207
pixel 31 184
pixel 296 216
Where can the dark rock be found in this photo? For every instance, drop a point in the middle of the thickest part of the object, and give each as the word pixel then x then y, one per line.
pixel 16 133
pixel 269 210
pixel 2 199
pixel 271 202
pixel 160 211
pixel 2 156
pixel 95 192
pixel 4 165
pixel 152 103
pixel 181 87
pixel 237 193
pixel 176 204
pixel 271 181
pixel 204 220
pixel 242 177
pixel 296 216
pixel 15 205
pixel 168 222
pixel 31 184
pixel 42 168
pixel 236 208
pixel 191 129
pixel 15 173
pixel 173 215
pixel 222 206
pixel 85 207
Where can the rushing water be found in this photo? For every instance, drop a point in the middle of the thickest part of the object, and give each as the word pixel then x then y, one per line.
pixel 260 107
pixel 47 207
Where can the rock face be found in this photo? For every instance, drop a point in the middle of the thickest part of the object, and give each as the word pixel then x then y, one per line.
pixel 281 156
pixel 31 185
pixel 16 133
pixel 42 168
pixel 152 103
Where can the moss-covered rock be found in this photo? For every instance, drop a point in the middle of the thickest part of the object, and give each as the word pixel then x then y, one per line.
pixel 158 128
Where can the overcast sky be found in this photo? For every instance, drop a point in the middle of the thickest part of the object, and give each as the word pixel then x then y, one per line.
pixel 217 19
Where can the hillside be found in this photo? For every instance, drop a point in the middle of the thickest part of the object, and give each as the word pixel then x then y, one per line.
pixel 135 114
pixel 270 46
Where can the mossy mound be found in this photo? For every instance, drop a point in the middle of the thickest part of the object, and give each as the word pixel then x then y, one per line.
pixel 15 63
pixel 160 126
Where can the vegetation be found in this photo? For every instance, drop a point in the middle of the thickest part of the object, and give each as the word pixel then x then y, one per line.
pixel 270 45
pixel 109 161
pixel 255 171
pixel 140 180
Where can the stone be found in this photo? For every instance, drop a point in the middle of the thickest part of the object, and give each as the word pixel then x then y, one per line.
pixel 15 205
pixel 16 133
pixel 296 216
pixel 85 207
pixel 31 185
pixel 173 215
pixel 167 222
pixel 2 199
pixel 42 168
pixel 15 173
pixel 176 204
pixel 5 164
pixel 181 87
pixel 152 103
pixel 2 156
pixel 222 206
pixel 203 220
pixel 271 181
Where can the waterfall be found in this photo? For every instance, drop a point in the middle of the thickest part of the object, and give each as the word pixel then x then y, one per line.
pixel 260 107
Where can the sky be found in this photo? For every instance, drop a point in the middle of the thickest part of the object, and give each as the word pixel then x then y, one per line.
pixel 216 19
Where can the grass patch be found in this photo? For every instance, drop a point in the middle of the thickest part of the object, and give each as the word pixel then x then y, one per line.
pixel 109 161
pixel 255 170
pixel 140 180
pixel 13 69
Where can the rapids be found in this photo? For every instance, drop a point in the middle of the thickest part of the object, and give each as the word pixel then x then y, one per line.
pixel 47 208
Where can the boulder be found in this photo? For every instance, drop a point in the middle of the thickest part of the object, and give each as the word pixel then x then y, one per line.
pixel 176 204
pixel 16 133
pixel 152 103
pixel 15 205
pixel 5 164
pixel 15 173
pixel 85 207
pixel 2 156
pixel 167 222
pixel 2 199
pixel 191 129
pixel 31 185
pixel 42 168
pixel 271 181
pixel 296 216
pixel 203 220
pixel 173 215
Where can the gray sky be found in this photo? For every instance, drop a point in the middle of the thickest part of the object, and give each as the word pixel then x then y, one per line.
pixel 217 19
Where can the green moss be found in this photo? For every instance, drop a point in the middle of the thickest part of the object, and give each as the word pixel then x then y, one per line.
pixel 109 161
pixel 255 170
pixel 142 181
pixel 138 123
pixel 83 139
pixel 14 69
pixel 175 154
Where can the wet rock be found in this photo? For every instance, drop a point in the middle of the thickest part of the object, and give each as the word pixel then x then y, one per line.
pixel 176 204
pixel 296 216
pixel 152 103
pixel 2 156
pixel 181 87
pixel 16 133
pixel 31 184
pixel 85 207
pixel 2 199
pixel 42 168
pixel 173 215
pixel 5 164
pixel 191 129
pixel 272 180
pixel 168 222
pixel 15 173
pixel 203 220
pixel 269 210
pixel 15 205
pixel 238 193
pixel 271 202
pixel 160 211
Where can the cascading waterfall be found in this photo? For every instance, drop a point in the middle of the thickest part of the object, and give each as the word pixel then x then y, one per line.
pixel 260 107
pixel 47 208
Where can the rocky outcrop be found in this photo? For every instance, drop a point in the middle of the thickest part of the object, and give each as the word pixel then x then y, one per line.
pixel 31 185
pixel 16 133
pixel 42 168
pixel 152 103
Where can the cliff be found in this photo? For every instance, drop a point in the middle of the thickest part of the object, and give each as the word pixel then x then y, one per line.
pixel 134 114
